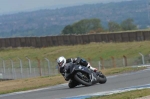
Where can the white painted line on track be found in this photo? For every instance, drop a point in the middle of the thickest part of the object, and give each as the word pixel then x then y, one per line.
pixel 109 92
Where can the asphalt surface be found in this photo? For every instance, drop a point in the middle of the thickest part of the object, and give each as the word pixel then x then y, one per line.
pixel 62 91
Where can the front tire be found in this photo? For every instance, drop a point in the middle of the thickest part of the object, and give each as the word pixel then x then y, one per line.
pixel 78 77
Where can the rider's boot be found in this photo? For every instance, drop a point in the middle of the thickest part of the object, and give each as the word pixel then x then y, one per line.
pixel 92 68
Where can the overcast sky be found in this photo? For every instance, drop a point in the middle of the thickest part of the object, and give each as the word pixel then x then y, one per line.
pixel 14 6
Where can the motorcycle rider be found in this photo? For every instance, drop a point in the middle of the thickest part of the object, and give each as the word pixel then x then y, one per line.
pixel 62 63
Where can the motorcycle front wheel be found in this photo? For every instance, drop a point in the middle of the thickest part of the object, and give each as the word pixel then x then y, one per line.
pixel 82 78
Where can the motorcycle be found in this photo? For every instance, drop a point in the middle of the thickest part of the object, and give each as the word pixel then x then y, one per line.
pixel 81 75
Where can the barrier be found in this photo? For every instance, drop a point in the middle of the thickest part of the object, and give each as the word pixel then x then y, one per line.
pixel 73 39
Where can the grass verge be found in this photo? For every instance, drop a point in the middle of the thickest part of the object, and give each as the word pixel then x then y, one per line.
pixel 30 83
pixel 126 95
pixel 94 50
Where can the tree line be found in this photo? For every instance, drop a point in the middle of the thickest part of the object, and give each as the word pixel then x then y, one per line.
pixel 93 25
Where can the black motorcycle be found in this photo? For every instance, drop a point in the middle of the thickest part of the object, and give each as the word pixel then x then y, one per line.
pixel 81 75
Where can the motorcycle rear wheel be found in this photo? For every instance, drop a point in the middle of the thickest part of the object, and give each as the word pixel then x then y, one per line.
pixel 102 77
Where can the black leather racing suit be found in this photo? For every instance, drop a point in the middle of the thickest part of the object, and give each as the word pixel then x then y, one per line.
pixel 77 60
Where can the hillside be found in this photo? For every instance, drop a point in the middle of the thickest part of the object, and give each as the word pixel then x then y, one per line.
pixel 51 22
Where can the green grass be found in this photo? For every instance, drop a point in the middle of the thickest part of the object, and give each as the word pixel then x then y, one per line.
pixel 92 50
pixel 120 70
pixel 126 95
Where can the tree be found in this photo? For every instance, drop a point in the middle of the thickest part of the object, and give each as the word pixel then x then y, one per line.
pixel 113 26
pixel 82 27
pixel 67 29
pixel 98 30
pixel 128 24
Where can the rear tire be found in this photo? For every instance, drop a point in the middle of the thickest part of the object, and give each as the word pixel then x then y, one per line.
pixel 102 77
pixel 77 78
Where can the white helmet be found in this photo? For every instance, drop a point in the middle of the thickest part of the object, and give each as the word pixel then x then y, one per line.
pixel 61 61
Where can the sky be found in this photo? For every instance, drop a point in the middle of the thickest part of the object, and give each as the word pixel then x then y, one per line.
pixel 15 6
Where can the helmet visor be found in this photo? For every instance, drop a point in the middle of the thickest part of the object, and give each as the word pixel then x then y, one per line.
pixel 61 63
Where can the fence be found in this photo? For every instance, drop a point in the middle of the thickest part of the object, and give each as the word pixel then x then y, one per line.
pixel 27 68
pixel 73 39
pixel 15 69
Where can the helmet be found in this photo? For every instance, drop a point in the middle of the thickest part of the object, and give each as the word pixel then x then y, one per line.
pixel 61 61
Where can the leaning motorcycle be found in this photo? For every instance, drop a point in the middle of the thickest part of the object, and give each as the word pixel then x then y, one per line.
pixel 81 75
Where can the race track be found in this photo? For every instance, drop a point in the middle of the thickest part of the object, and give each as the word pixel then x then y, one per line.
pixel 63 91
